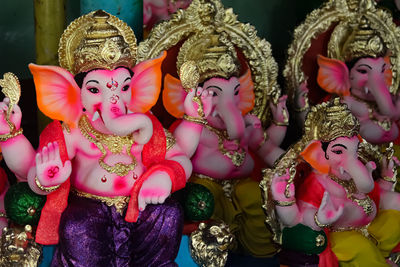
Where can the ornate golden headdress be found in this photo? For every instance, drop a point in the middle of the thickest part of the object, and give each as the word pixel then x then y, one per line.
pixel 204 18
pixel 97 40
pixel 330 120
pixel 213 55
pixel 363 42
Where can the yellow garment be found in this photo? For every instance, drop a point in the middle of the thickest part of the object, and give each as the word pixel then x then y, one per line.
pixel 353 249
pixel 243 213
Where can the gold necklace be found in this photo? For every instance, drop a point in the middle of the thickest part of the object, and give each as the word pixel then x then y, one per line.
pixel 236 156
pixel 350 188
pixel 114 143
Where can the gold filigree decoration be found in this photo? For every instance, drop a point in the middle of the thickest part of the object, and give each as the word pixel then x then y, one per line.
pixel 171 141
pixel 18 248
pixel 207 17
pixel 189 75
pixel 114 143
pixel 236 156
pixel 210 243
pixel 97 40
pixel 12 90
pixel 213 55
pixel 118 202
pixel 342 15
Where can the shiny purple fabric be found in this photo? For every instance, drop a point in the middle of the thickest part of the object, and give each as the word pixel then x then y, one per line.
pixel 93 234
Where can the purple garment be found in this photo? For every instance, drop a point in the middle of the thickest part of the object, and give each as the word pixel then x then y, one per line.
pixel 93 234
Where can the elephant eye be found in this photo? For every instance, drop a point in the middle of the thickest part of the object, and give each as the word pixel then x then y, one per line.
pixel 338 152
pixel 93 90
pixel 237 92
pixel 214 93
pixel 125 88
pixel 362 71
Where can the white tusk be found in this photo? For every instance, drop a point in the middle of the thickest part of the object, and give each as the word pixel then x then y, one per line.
pixel 96 115
pixel 366 90
pixel 129 112
pixel 215 113
pixel 341 170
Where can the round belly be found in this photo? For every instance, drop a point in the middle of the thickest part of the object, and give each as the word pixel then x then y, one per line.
pixel 216 165
pixel 90 177
pixel 356 214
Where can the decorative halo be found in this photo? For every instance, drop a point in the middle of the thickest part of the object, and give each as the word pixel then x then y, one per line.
pixel 207 17
pixel 77 31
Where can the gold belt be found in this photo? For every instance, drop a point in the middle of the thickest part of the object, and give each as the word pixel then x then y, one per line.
pixel 119 202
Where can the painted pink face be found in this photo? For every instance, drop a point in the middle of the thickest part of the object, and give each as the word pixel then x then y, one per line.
pixel 341 153
pixel 107 92
pixel 225 96
pixel 362 71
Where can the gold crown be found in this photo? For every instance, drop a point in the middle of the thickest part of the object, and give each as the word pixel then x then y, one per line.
pixel 330 120
pixel 363 42
pixel 97 40
pixel 212 55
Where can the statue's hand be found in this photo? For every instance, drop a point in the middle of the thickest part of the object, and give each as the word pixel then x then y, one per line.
pixel 193 107
pixel 301 97
pixel 278 187
pixel 280 114
pixel 155 189
pixel 49 168
pixel 15 116
pixel 327 212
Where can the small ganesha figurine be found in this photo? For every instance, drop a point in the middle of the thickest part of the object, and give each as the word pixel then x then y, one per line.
pixel 326 182
pixel 109 169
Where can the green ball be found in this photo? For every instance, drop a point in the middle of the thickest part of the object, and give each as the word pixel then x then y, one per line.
pixel 198 203
pixel 22 205
pixel 304 239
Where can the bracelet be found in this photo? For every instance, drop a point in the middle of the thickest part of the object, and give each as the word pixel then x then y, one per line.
pixel 389 179
pixel 3 215
pixel 194 119
pixel 47 189
pixel 284 203
pixel 277 123
pixel 318 222
pixel 5 137
pixel 305 108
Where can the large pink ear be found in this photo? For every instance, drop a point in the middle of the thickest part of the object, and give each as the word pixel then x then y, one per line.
pixel 246 93
pixel 146 84
pixel 333 76
pixel 173 96
pixel 315 156
pixel 58 95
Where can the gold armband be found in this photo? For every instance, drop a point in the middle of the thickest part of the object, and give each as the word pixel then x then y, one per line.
pixel 277 123
pixel 389 179
pixel 194 119
pixel 47 189
pixel 284 203
pixel 305 108
pixel 3 215
pixel 5 137
pixel 318 223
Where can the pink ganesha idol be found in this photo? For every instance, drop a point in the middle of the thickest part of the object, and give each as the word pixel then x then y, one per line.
pixel 221 137
pixel 110 159
pixel 326 181
pixel 360 73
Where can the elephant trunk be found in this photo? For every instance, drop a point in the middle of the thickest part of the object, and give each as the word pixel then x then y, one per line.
pixel 117 121
pixel 233 119
pixel 381 93
pixel 361 175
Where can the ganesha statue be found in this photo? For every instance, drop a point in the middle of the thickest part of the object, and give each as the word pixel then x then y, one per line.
pixel 351 50
pixel 220 83
pixel 109 168
pixel 333 180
